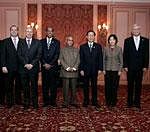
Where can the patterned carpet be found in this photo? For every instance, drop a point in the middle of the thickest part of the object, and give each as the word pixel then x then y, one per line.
pixel 119 119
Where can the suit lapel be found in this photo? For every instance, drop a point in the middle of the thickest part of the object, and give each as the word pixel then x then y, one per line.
pixel 12 44
pixel 140 44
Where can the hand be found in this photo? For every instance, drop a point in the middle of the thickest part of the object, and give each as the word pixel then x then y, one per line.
pixel 144 69
pixel 68 69
pixel 74 69
pixel 59 63
pixel 104 72
pixel 99 71
pixel 28 66
pixel 82 73
pixel 126 69
pixel 4 70
pixel 47 66
pixel 119 73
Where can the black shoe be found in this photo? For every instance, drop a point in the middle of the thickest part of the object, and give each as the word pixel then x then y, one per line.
pixel 64 106
pixel 54 105
pixel 96 105
pixel 74 105
pixel 85 104
pixel 9 106
pixel 45 105
pixel 35 107
pixel 137 106
pixel 26 107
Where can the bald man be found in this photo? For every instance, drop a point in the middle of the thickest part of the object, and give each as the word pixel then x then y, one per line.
pixel 136 61
pixel 29 56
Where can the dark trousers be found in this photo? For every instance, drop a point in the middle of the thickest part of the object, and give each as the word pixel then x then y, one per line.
pixel 134 79
pixel 69 83
pixel 2 89
pixel 49 86
pixel 111 87
pixel 30 88
pixel 87 80
pixel 13 88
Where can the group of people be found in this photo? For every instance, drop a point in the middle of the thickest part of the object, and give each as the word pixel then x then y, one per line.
pixel 22 59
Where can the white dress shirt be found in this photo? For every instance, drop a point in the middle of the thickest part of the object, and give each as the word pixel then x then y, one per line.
pixel 136 41
pixel 15 41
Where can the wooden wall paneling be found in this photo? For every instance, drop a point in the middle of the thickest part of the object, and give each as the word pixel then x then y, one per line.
pixel 141 17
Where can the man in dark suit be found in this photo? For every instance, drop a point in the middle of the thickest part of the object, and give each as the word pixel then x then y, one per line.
pixel 136 60
pixel 2 88
pixel 9 64
pixel 91 64
pixel 29 56
pixel 49 60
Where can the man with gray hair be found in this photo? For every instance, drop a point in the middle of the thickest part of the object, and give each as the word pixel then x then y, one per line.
pixel 136 61
pixel 29 56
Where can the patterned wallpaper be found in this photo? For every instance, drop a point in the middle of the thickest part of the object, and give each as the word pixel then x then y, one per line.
pixel 102 18
pixel 32 15
pixel 68 19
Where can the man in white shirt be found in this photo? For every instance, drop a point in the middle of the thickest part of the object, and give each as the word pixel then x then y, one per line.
pixel 9 60
pixel 136 61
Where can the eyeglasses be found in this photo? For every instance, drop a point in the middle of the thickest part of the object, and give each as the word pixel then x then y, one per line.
pixel 69 40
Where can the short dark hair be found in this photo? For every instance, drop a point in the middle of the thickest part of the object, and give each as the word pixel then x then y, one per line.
pixel 14 26
pixel 90 31
pixel 49 27
pixel 114 36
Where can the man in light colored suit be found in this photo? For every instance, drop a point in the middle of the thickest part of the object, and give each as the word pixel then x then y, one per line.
pixel 69 59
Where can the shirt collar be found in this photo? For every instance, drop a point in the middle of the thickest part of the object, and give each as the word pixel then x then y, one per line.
pixel 48 39
pixel 90 43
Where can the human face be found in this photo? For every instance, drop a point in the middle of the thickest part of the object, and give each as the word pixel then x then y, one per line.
pixel 14 31
pixel 136 30
pixel 70 41
pixel 29 32
pixel 90 37
pixel 112 41
pixel 49 32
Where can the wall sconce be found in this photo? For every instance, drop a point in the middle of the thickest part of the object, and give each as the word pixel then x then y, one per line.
pixel 103 30
pixel 33 25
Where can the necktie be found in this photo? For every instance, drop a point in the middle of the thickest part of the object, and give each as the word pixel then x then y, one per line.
pixel 28 43
pixel 15 43
pixel 49 42
pixel 90 47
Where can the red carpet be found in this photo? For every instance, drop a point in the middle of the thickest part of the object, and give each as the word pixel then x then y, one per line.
pixel 119 119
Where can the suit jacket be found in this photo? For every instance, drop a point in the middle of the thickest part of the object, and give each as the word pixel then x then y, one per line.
pixel 69 57
pixel 136 59
pixel 51 55
pixel 112 59
pixel 9 54
pixel 1 43
pixel 91 62
pixel 30 56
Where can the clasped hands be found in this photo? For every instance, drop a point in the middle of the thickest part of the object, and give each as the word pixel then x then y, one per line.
pixel 69 69
pixel 28 66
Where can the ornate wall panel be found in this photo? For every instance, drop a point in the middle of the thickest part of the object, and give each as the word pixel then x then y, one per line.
pixel 32 15
pixel 67 19
pixel 102 18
